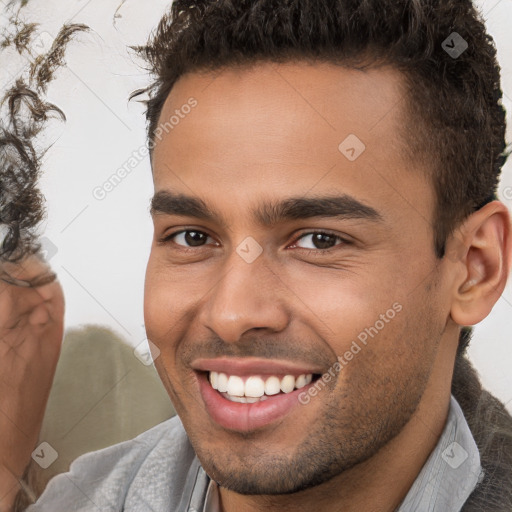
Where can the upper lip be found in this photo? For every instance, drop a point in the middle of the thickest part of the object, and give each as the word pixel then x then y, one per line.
pixel 252 366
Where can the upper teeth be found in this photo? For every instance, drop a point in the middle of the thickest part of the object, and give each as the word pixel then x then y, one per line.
pixel 256 387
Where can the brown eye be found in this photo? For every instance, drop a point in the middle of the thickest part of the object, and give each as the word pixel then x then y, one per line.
pixel 320 240
pixel 187 238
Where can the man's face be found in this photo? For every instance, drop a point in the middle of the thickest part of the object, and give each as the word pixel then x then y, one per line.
pixel 296 254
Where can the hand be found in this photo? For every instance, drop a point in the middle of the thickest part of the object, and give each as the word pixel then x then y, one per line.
pixel 31 332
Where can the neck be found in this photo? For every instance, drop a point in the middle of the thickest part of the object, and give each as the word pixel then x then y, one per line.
pixel 380 483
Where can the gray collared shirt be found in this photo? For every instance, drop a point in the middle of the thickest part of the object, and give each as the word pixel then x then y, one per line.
pixel 158 471
pixel 446 480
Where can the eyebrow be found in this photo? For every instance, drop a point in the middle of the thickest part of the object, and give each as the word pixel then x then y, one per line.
pixel 270 212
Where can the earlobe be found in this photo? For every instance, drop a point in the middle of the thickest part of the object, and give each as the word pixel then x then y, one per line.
pixel 486 263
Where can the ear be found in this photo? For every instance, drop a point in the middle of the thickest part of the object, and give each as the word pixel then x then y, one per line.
pixel 484 252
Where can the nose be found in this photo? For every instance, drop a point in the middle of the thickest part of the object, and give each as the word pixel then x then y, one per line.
pixel 247 296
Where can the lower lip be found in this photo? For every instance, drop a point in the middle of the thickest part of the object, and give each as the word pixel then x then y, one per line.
pixel 246 417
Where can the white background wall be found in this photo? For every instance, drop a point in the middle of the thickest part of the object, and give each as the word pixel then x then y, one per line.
pixel 103 245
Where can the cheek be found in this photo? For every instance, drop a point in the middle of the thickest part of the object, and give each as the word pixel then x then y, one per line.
pixel 343 306
pixel 165 315
pixel 154 309
pixel 159 320
pixel 373 349
pixel 161 307
pixel 382 339
pixel 386 368
pixel 172 386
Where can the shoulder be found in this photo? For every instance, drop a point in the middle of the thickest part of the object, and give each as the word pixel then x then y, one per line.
pixel 110 478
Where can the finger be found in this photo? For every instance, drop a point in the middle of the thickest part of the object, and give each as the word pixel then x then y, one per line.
pixel 17 303
pixel 6 278
pixel 43 279
pixel 12 339
pixel 29 270
pixel 40 315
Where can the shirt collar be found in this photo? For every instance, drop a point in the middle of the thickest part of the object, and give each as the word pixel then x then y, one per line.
pixel 451 472
pixel 446 480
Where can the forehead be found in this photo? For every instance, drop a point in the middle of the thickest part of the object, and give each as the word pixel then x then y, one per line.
pixel 294 127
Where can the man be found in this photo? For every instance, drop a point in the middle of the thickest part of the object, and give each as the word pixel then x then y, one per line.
pixel 325 226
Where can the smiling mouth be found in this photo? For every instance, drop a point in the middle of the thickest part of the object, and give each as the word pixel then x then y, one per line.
pixel 256 388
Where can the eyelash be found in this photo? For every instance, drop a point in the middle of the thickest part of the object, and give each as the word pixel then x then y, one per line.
pixel 316 252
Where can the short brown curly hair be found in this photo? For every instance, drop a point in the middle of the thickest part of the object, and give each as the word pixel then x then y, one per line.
pixel 454 103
